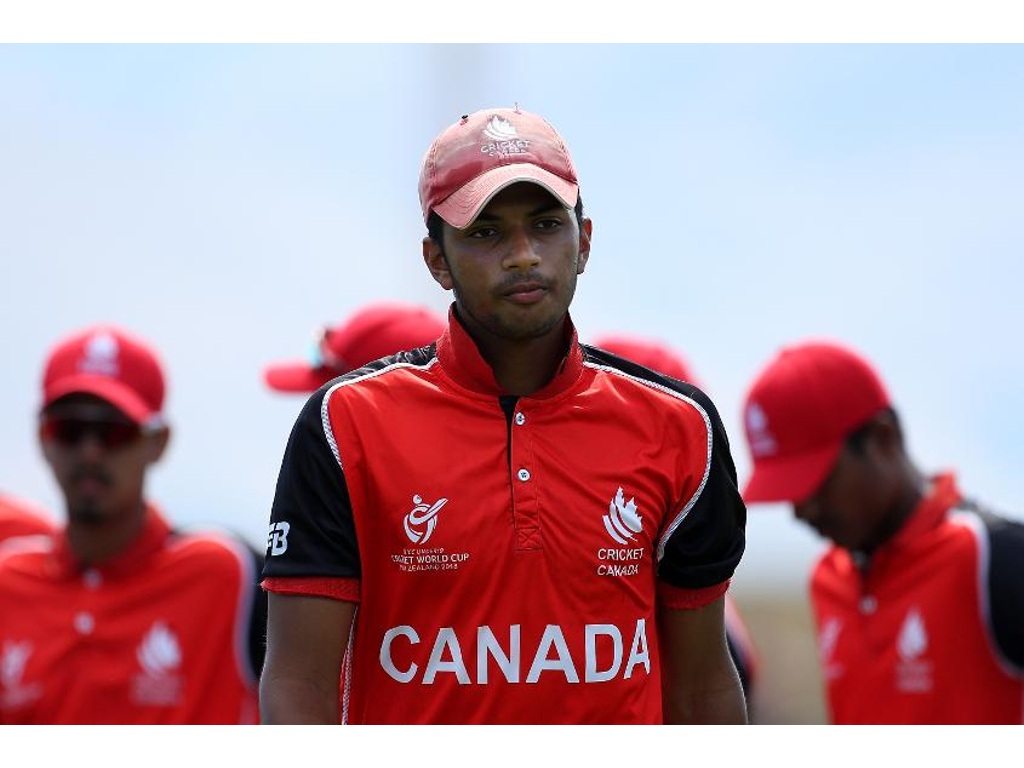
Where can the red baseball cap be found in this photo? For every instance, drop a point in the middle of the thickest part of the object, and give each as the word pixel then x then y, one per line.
pixel 111 364
pixel 477 157
pixel 799 412
pixel 650 354
pixel 375 331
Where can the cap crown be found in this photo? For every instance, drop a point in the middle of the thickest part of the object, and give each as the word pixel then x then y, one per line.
pixel 382 330
pixel 484 141
pixel 105 361
pixel 809 397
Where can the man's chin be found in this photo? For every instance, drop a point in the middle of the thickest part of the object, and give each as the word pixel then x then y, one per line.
pixel 87 515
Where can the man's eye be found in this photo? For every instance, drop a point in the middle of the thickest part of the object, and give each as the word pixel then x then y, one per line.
pixel 548 223
pixel 483 232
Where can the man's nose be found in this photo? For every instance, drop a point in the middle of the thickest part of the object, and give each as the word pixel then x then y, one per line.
pixel 522 252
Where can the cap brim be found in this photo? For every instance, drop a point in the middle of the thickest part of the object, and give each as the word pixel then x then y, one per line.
pixel 790 478
pixel 461 207
pixel 297 377
pixel 113 391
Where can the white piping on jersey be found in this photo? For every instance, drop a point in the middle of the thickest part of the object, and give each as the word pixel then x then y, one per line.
pixel 973 522
pixel 348 666
pixel 246 596
pixel 27 544
pixel 663 541
pixel 325 417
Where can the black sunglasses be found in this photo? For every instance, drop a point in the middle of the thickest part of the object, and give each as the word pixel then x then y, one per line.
pixel 71 431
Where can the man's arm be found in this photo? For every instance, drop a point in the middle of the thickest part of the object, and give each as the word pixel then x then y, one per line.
pixel 306 641
pixel 699 680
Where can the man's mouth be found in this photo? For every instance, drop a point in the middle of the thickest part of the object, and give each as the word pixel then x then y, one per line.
pixel 529 292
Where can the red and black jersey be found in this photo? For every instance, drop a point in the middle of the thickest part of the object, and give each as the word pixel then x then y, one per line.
pixel 17 518
pixel 160 633
pixel 930 629
pixel 507 554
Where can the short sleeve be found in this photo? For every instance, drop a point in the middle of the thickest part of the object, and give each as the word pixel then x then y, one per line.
pixel 704 540
pixel 312 532
pixel 1006 587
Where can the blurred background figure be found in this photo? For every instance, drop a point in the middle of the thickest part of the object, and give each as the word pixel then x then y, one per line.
pixel 377 330
pixel 118 618
pixel 662 359
pixel 19 518
pixel 919 603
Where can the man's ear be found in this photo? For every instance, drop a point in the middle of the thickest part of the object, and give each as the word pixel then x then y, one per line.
pixel 156 444
pixel 586 232
pixel 433 257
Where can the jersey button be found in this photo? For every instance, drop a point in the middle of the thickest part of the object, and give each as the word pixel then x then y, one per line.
pixel 92 578
pixel 523 474
pixel 520 418
pixel 84 623
pixel 868 604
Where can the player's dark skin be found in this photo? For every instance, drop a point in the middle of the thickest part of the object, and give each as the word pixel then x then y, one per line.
pixel 871 490
pixel 102 485
pixel 513 271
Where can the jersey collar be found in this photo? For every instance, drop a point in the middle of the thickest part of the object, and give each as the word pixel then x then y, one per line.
pixel 942 496
pixel 135 557
pixel 460 359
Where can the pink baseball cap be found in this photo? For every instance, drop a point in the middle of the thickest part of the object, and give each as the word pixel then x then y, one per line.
pixel 481 154
pixel 799 412
pixel 650 354
pixel 375 331
pixel 109 363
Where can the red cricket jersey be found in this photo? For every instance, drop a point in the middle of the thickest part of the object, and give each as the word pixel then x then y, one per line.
pixel 157 634
pixel 507 554
pixel 931 630
pixel 18 518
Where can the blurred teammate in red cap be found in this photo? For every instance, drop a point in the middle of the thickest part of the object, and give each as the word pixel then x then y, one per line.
pixel 373 332
pixel 118 618
pixel 919 603
pixel 19 518
pixel 661 358
pixel 533 530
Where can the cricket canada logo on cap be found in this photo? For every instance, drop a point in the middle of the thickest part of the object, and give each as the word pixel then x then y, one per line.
pixel 422 520
pixel 762 442
pixel 504 139
pixel 100 355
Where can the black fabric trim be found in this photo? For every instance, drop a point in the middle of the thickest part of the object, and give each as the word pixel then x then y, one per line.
pixel 257 617
pixel 708 545
pixel 312 495
pixel 1005 583
pixel 508 406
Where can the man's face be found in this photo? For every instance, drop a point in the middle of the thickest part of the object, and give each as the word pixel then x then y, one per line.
pixel 851 505
pixel 514 268
pixel 98 456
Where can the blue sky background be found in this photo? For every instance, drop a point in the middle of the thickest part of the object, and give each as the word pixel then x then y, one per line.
pixel 222 201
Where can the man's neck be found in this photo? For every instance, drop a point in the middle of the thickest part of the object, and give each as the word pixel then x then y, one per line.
pixel 520 366
pixel 95 543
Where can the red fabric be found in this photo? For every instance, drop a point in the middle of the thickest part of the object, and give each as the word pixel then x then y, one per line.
pixel 156 635
pixel 684 599
pixel 20 519
pixel 525 567
pixel 338 589
pixel 906 640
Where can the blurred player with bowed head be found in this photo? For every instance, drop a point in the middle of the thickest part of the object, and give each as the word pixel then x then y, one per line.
pixel 117 618
pixel 373 331
pixel 659 357
pixel 507 525
pixel 919 603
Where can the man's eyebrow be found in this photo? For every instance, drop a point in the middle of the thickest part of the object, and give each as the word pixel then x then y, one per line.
pixel 545 208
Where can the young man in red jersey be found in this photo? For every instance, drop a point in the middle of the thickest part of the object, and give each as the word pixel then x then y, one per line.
pixel 919 602
pixel 117 618
pixel 659 357
pixel 507 525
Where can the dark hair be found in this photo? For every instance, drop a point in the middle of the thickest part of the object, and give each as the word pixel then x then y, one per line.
pixel 435 224
pixel 856 439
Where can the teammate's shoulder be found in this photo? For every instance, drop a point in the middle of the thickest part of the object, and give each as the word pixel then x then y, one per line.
pixel 26 555
pixel 613 364
pixel 208 548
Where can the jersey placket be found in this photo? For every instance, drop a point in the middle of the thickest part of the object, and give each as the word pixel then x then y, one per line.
pixel 524 476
